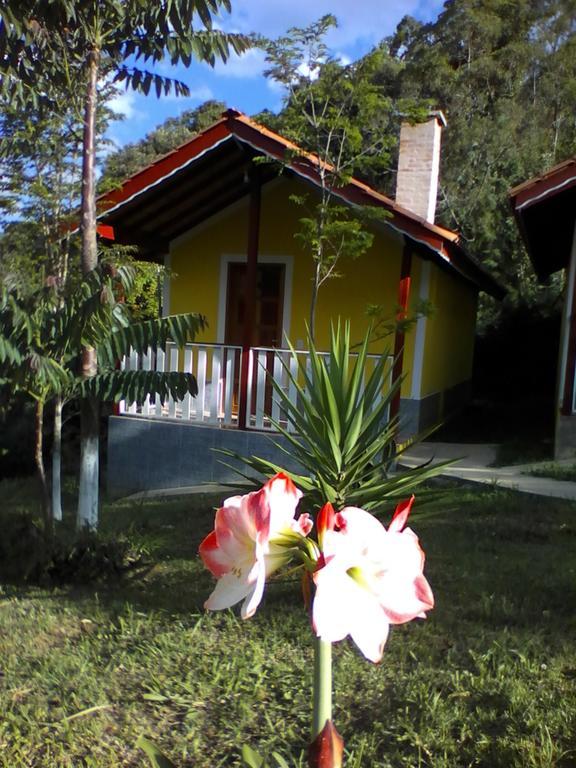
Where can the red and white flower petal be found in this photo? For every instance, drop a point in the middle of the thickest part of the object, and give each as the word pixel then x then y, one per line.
pixel 241 550
pixel 371 633
pixel 404 600
pixel 213 557
pixel 283 498
pixel 333 603
pixel 343 607
pixel 369 578
pixel 401 515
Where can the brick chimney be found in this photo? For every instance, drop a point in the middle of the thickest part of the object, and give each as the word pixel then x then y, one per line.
pixel 419 166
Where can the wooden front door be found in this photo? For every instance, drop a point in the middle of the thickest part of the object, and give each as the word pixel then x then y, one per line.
pixel 267 329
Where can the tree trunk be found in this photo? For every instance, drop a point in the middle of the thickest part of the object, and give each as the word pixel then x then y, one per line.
pixel 57 461
pixel 314 302
pixel 39 460
pixel 88 491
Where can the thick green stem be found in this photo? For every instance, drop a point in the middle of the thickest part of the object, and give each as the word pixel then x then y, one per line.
pixel 322 685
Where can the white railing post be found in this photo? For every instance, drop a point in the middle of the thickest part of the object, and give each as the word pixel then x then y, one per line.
pixel 133 408
pixel 160 361
pixel 217 368
pixel 201 379
pixel 122 403
pixel 249 386
pixel 230 369
pixel 216 384
pixel 147 366
pixel 187 402
pixel 172 366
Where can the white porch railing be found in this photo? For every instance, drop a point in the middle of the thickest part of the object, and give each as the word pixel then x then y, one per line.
pixel 266 362
pixel 218 371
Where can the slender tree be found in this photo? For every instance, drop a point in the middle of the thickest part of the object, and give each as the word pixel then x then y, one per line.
pixel 341 115
pixel 96 40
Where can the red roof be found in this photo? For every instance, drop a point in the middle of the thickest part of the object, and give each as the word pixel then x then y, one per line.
pixel 549 184
pixel 441 242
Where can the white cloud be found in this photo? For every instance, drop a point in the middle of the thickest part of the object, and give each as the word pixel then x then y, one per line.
pixel 124 104
pixel 248 65
pixel 200 93
pixel 363 20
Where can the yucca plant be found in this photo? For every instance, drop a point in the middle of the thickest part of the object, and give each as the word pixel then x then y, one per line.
pixel 340 429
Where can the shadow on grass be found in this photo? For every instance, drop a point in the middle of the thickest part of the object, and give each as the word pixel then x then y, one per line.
pixel 497 558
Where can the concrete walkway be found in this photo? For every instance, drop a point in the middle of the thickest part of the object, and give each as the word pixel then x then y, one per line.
pixel 473 465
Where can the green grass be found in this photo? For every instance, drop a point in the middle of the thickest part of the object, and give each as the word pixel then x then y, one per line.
pixel 522 452
pixel 556 471
pixel 489 679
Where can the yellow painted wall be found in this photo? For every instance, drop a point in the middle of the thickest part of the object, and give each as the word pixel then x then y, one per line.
pixel 371 279
pixel 195 262
pixel 449 346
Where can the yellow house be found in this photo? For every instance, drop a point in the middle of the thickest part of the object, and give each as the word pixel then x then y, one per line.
pixel 225 226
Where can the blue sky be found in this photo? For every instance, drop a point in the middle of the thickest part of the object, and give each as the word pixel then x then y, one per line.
pixel 240 83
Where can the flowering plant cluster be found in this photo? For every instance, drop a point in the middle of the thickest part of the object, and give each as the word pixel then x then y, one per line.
pixel 365 577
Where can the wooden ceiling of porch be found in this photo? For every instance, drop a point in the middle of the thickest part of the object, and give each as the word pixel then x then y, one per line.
pixel 193 194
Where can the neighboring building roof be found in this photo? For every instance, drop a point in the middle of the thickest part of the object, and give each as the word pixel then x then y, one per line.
pixel 545 208
pixel 214 169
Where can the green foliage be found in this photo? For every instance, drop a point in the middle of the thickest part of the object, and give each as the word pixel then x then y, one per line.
pixel 340 430
pixel 151 333
pixel 136 386
pixel 41 337
pixel 27 557
pixel 505 75
pixel 385 323
pixel 156 757
pixel 251 759
pixel 556 471
pixel 60 37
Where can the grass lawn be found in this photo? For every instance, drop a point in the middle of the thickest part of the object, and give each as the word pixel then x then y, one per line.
pixel 556 471
pixel 489 679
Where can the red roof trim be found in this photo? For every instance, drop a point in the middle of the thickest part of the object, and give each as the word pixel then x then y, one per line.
pixel 233 123
pixel 546 185
pixel 165 165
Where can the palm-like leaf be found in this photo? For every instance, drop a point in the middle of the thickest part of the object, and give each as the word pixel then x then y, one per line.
pixel 152 333
pixel 136 386
pixel 41 337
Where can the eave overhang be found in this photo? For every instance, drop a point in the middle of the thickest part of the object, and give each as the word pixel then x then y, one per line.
pixel 545 209
pixel 216 168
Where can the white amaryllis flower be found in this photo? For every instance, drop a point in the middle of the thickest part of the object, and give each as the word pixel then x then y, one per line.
pixel 369 578
pixel 251 539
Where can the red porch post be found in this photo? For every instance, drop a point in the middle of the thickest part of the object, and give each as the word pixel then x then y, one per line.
pixel 250 300
pixel 399 338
